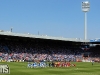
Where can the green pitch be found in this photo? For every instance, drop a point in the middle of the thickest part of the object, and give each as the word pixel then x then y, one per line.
pixel 19 68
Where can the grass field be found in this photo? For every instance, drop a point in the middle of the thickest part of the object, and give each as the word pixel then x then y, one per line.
pixel 19 68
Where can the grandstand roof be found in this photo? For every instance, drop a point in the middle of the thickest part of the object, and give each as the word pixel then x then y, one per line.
pixel 42 37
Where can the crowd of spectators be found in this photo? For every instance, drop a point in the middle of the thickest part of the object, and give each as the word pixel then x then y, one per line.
pixel 31 51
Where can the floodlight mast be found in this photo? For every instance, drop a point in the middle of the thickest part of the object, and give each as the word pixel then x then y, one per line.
pixel 85 9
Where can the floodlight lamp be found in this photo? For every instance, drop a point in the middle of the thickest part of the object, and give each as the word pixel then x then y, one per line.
pixel 85 6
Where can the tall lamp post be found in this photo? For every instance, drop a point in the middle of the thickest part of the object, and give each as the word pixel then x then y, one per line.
pixel 85 9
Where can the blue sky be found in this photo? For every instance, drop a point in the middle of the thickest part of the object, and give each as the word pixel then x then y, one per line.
pixel 61 18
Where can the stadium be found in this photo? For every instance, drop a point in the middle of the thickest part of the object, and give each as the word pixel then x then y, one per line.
pixel 31 54
pixel 18 50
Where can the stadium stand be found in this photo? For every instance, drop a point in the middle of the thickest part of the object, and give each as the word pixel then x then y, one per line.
pixel 17 48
